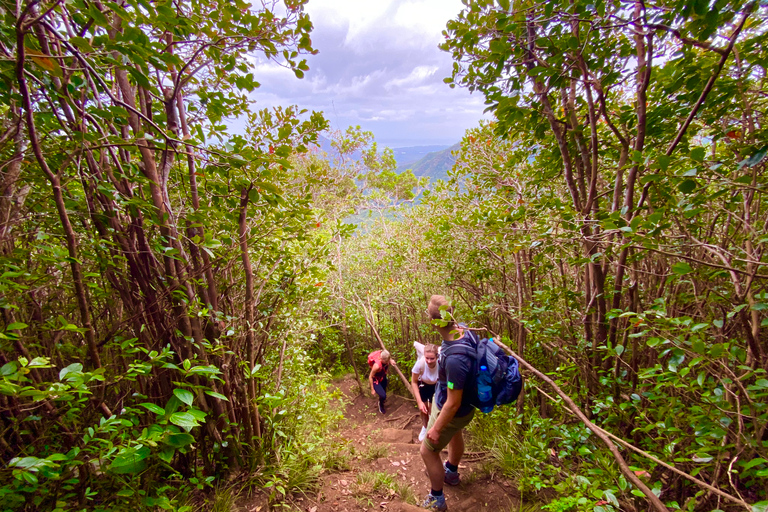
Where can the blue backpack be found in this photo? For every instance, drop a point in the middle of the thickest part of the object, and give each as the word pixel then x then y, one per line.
pixel 496 373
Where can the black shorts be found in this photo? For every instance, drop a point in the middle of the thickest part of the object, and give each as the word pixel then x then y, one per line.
pixel 426 391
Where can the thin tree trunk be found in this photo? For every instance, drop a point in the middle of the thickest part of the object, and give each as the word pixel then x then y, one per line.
pixel 252 407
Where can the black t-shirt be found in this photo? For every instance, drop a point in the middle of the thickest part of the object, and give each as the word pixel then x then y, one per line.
pixel 456 372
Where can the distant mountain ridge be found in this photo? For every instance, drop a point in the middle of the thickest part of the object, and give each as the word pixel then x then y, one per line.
pixel 432 161
pixel 409 155
pixel 434 165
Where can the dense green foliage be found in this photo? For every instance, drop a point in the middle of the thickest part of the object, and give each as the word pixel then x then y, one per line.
pixel 159 274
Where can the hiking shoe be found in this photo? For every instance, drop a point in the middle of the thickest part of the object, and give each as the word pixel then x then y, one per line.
pixel 382 410
pixel 451 477
pixel 422 434
pixel 435 502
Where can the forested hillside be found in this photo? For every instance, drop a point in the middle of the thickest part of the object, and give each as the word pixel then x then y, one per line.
pixel 434 165
pixel 177 298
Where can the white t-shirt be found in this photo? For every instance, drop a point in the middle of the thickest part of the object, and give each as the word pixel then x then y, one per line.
pixel 426 374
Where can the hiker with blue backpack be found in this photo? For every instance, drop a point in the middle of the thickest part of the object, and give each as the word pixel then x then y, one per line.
pixel 472 373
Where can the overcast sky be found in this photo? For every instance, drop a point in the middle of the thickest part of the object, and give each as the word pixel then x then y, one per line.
pixel 379 67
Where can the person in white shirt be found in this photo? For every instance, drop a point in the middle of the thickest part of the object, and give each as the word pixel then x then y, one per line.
pixel 423 379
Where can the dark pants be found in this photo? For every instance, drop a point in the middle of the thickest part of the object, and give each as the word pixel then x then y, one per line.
pixel 381 389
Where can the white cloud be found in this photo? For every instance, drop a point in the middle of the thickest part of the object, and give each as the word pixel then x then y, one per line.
pixel 378 66
pixel 427 17
pixel 417 77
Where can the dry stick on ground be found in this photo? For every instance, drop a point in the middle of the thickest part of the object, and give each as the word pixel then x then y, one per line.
pixel 400 417
pixel 369 321
pixel 662 463
pixel 628 474
pixel 406 422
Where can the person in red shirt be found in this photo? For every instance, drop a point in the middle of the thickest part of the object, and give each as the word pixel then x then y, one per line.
pixel 378 376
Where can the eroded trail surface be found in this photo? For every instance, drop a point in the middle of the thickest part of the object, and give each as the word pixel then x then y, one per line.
pixel 381 467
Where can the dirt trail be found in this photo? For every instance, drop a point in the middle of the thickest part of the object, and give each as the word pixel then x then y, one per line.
pixel 384 449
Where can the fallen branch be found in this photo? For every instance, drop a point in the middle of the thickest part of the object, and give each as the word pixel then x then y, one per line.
pixel 396 417
pixel 474 456
pixel 407 421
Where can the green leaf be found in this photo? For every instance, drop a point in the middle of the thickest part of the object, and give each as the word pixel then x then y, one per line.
pixel 757 157
pixel 180 440
pixel 153 408
pixel 73 368
pixel 687 186
pixel 267 187
pixel 97 15
pixel 166 455
pixel 30 463
pixel 185 396
pixel 9 369
pixel 754 462
pixel 140 78
pixel 698 154
pixel 130 461
pixel 761 506
pixel 17 325
pixel 172 405
pixel 681 268
pixel 184 420
pixel 217 395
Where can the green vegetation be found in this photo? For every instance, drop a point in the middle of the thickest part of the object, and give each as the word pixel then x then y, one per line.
pixel 175 298
pixel 373 486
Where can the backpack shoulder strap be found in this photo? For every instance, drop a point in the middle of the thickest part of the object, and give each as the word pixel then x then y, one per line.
pixel 458 348
pixel 467 346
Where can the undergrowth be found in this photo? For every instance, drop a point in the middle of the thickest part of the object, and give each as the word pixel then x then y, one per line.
pixel 379 485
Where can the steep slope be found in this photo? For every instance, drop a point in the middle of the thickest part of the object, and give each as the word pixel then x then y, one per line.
pixel 434 165
pixel 408 156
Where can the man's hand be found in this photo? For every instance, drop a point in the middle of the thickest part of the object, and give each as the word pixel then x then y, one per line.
pixel 433 436
pixel 423 407
pixel 373 392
